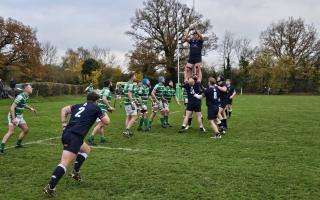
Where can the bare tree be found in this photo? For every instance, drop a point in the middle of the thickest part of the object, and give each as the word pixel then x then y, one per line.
pixel 48 54
pixel 243 49
pixel 160 21
pixel 292 39
pixel 104 55
pixel 226 51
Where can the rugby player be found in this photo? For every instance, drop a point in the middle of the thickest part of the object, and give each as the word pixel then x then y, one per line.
pixel 130 104
pixel 15 117
pixel 231 92
pixel 223 103
pixel 195 54
pixel 104 103
pixel 83 116
pixel 143 97
pixel 193 86
pixel 158 102
pixel 212 95
pixel 89 89
pixel 168 94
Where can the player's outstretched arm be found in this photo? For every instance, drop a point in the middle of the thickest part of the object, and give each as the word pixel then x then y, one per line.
pixel 30 108
pixel 233 94
pixel 106 102
pixel 186 37
pixel 64 114
pixel 200 35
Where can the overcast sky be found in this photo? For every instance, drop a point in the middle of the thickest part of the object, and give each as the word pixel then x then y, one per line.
pixel 74 23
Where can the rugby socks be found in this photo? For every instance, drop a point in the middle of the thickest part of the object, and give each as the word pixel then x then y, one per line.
pixel 19 143
pixel 91 138
pixel 79 161
pixel 141 122
pixel 220 125
pixel 150 123
pixel 162 120
pixel 224 123
pixel 189 121
pixel 230 112
pixel 57 175
pixel 146 123
pixel 2 146
pixel 166 120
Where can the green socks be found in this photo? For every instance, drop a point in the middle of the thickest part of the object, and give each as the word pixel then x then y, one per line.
pixel 19 142
pixel 162 121
pixel 146 123
pixel 166 120
pixel 141 122
pixel 91 138
pixel 2 146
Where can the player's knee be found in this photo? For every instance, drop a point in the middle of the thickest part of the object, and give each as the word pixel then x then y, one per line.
pixel 26 131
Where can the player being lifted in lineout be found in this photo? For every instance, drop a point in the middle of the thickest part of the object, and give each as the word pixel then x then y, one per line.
pixel 195 53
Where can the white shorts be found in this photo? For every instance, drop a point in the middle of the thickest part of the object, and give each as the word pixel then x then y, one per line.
pixel 130 111
pixel 162 106
pixel 98 119
pixel 19 119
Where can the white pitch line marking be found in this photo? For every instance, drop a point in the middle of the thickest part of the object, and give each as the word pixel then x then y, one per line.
pixel 35 142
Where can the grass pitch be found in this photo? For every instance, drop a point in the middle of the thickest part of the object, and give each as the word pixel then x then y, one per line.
pixel 271 151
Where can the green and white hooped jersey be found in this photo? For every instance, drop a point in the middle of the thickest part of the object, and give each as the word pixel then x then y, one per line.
pixel 128 87
pixel 169 93
pixel 104 92
pixel 89 89
pixel 159 91
pixel 21 101
pixel 143 91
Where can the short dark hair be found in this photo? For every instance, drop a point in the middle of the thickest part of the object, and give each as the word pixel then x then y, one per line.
pixel 221 78
pixel 132 74
pixel 25 85
pixel 106 83
pixel 92 96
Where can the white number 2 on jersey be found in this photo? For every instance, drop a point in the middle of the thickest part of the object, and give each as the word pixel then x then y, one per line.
pixel 81 109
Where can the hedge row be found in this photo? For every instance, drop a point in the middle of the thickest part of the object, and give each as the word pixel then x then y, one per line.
pixel 56 89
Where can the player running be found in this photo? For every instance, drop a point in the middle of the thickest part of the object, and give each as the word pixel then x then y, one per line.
pixel 83 116
pixel 231 92
pixel 15 117
pixel 130 105
pixel 105 105
pixel 212 95
pixel 195 54
pixel 143 97
pixel 193 86
pixel 169 93
pixel 158 102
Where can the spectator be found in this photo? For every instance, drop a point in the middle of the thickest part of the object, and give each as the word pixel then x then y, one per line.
pixel 1 89
pixel 13 86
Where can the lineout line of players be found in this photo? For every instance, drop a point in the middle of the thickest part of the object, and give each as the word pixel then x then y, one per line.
pixel 84 115
pixel 219 95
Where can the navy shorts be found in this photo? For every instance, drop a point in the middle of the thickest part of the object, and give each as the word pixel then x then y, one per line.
pixel 194 60
pixel 71 142
pixel 213 112
pixel 223 104
pixel 194 107
pixel 229 101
